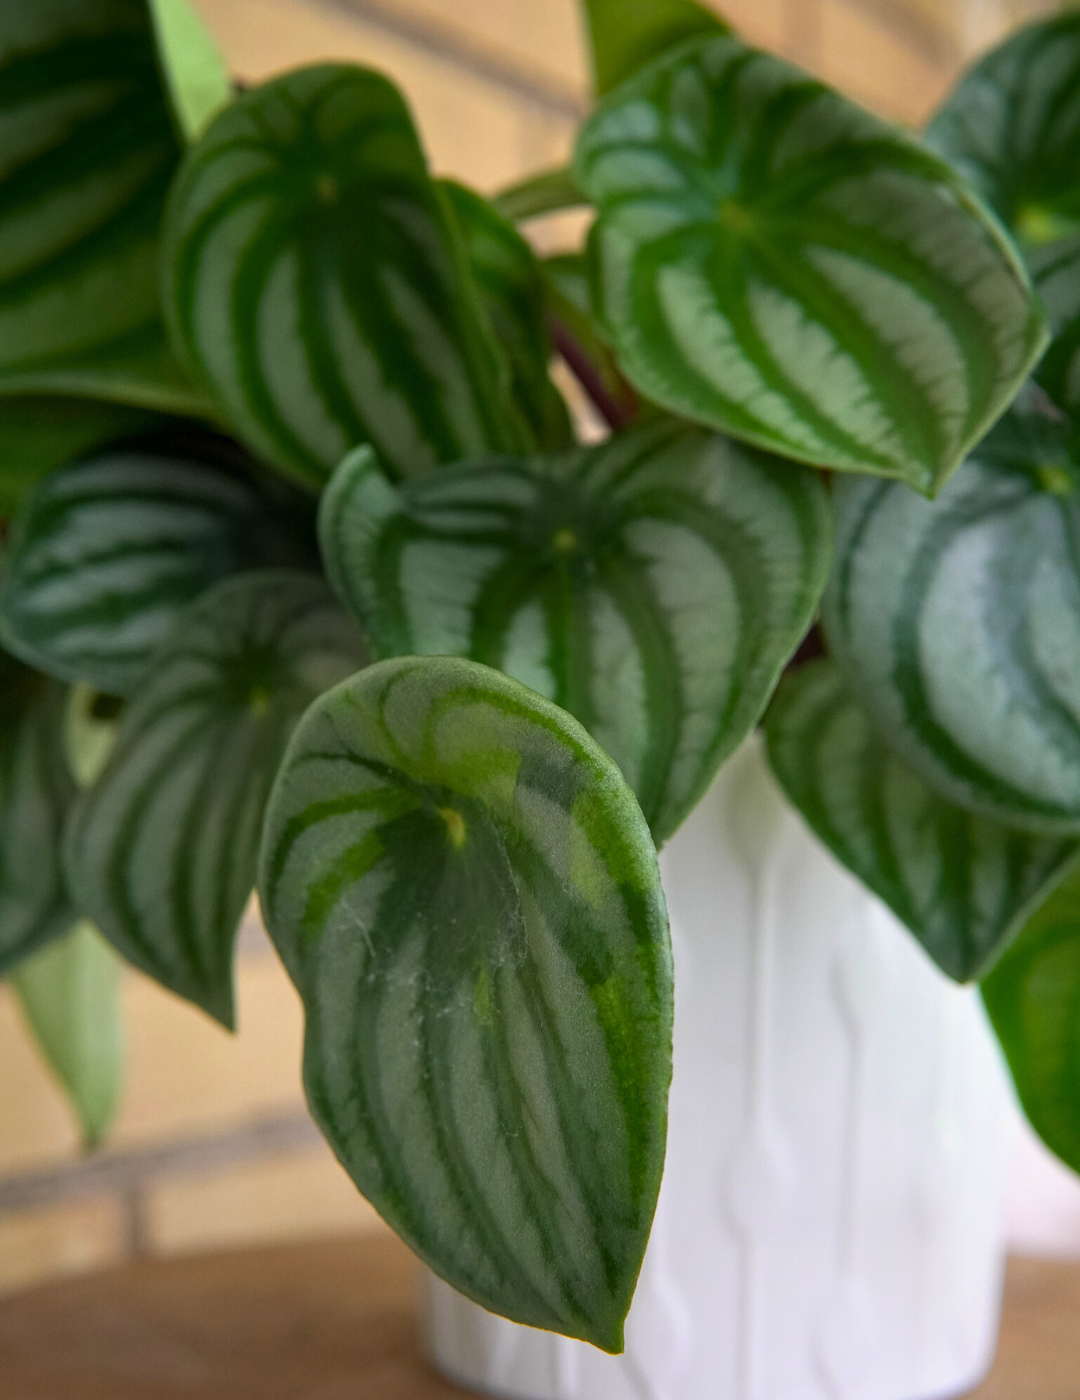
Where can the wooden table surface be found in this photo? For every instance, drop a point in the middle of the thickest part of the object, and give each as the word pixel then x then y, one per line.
pixel 334 1321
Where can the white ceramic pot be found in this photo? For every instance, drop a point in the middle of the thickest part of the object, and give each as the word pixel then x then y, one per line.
pixel 830 1223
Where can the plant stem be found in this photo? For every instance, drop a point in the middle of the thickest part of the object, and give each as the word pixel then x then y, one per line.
pixel 617 410
pixel 546 193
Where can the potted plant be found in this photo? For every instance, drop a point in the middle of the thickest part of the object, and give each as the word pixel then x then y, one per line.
pixel 308 585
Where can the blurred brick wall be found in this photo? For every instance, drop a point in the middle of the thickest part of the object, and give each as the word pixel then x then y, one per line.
pixel 213 1146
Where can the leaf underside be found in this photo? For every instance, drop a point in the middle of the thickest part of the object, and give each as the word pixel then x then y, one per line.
pixel 962 884
pixel 775 262
pixel 468 899
pixel 955 622
pixel 317 287
pixel 653 587
pixel 161 851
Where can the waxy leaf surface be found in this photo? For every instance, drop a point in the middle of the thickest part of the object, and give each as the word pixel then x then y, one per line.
pixel 70 994
pixel 1033 997
pixel 105 554
pixel 35 792
pixel 467 896
pixel 1012 128
pixel 318 287
pixel 86 160
pixel 161 851
pixel 628 34
pixel 774 261
pixel 957 623
pixel 962 884
pixel 654 587
pixel 194 68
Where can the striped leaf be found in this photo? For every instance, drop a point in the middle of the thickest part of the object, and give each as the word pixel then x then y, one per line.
pixel 35 792
pixel 628 34
pixel 467 896
pixel 1056 273
pixel 70 995
pixel 511 287
pixel 318 288
pixel 39 434
pixel 194 69
pixel 106 553
pixel 773 261
pixel 1033 997
pixel 87 151
pixel 1012 128
pixel 957 623
pixel 653 587
pixel 963 885
pixel 161 851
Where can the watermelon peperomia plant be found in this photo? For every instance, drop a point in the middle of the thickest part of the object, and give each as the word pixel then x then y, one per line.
pixel 309 585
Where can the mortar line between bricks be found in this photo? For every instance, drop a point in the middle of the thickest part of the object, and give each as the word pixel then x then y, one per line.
pixel 125 1172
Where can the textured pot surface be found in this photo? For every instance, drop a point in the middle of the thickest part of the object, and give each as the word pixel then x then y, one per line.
pixel 830 1225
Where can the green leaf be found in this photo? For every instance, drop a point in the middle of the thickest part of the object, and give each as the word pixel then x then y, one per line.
pixel 70 993
pixel 1033 997
pixel 193 66
pixel 161 851
pixel 35 792
pixel 957 623
pixel 39 434
pixel 1012 128
pixel 1055 270
pixel 775 262
pixel 511 287
pixel 963 885
pixel 317 285
pixel 654 587
pixel 628 34
pixel 467 896
pixel 87 158
pixel 547 193
pixel 106 553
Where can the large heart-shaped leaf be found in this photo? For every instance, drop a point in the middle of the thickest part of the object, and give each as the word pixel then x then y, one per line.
pixel 1033 997
pixel 106 553
pixel 35 792
pixel 511 285
pixel 318 287
pixel 957 623
pixel 194 68
pixel 654 587
pixel 70 994
pixel 39 433
pixel 88 153
pixel 1012 127
pixel 628 34
pixel 963 885
pixel 467 896
pixel 776 262
pixel 161 851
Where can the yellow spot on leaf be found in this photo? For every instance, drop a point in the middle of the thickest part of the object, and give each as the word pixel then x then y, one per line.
pixel 564 541
pixel 455 826
pixel 326 187
pixel 259 701
pixel 1058 481
pixel 735 218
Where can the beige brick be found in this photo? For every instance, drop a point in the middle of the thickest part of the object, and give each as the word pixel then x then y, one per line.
pixel 867 60
pixel 36 1127
pixel 285 1198
pixel 40 1244
pixel 188 1076
pixel 473 129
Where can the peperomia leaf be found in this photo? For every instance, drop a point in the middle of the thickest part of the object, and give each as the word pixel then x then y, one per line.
pixel 39 433
pixel 1033 997
pixel 106 553
pixel 628 34
pixel 1012 128
pixel 317 286
pixel 70 994
pixel 467 896
pixel 957 623
pixel 963 885
pixel 87 157
pixel 776 262
pixel 654 587
pixel 35 792
pixel 161 851
pixel 511 286
pixel 1055 270
pixel 194 69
